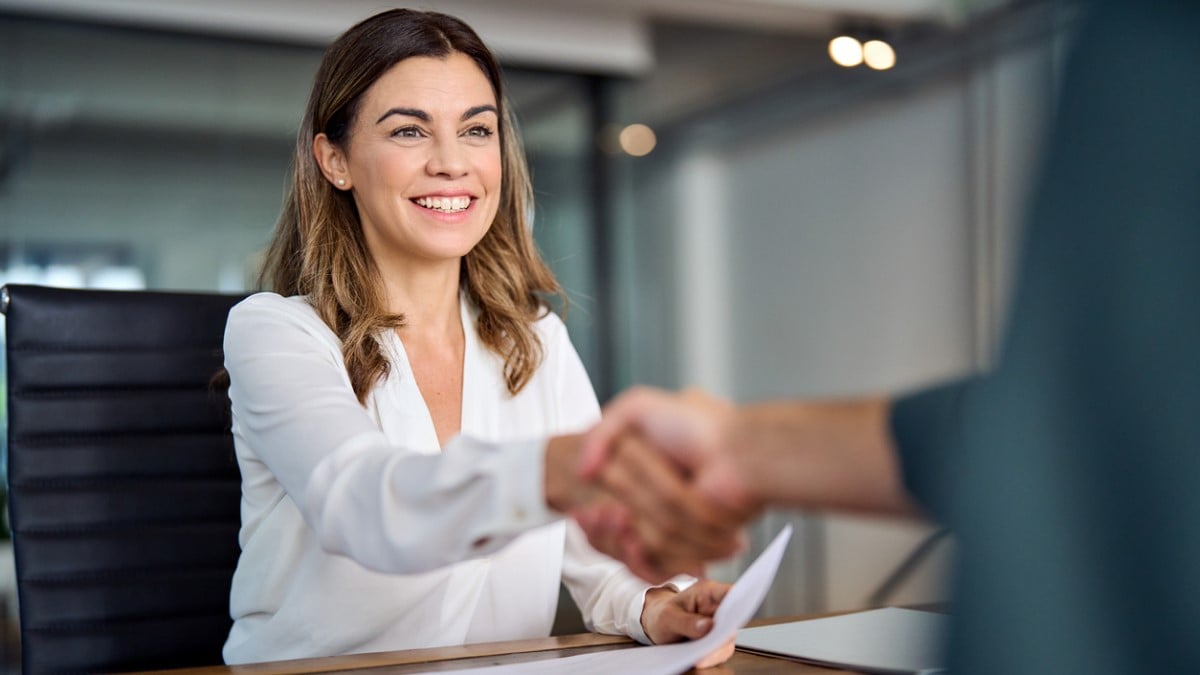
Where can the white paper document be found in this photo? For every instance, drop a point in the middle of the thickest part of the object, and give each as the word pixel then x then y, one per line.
pixel 736 609
pixel 889 640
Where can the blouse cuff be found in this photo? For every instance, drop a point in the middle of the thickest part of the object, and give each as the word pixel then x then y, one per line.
pixel 636 605
pixel 523 490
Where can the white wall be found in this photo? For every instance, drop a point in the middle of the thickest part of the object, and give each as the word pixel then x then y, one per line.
pixel 846 242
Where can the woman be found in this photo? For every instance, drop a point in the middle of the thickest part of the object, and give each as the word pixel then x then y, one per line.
pixel 384 401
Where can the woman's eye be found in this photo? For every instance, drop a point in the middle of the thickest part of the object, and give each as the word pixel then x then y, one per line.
pixel 406 132
pixel 480 131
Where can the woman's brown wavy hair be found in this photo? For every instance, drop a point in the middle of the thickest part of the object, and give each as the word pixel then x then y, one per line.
pixel 319 250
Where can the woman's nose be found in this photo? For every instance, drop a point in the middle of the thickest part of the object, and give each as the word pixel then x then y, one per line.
pixel 448 158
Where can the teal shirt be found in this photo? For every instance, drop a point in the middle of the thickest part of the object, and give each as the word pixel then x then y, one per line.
pixel 1071 474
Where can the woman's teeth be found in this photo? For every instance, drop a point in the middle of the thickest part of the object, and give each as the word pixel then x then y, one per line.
pixel 445 204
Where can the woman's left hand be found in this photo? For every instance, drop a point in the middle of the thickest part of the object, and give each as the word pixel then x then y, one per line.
pixel 668 616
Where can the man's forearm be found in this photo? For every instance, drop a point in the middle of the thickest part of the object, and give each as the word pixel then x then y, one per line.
pixel 827 455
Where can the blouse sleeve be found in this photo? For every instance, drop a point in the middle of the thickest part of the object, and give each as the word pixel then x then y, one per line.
pixel 608 595
pixel 389 510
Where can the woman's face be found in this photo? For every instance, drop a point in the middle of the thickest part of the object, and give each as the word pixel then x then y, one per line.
pixel 423 160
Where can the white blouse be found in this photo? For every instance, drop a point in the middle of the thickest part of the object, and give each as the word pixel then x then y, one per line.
pixel 360 534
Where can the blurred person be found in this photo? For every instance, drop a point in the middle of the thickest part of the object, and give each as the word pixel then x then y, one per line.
pixel 1070 473
pixel 391 397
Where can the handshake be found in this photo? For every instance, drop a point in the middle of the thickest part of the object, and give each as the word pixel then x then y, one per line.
pixel 666 482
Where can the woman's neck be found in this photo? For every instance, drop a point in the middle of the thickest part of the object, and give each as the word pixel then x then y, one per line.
pixel 428 299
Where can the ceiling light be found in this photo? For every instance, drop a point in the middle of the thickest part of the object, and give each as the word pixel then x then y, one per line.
pixel 846 51
pixel 637 140
pixel 879 54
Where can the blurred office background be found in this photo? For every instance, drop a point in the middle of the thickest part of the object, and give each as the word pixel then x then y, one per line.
pixel 726 205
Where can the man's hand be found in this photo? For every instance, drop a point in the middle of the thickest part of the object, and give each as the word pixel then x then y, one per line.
pixel 679 501
pixel 806 454
pixel 668 616
pixel 641 510
pixel 692 429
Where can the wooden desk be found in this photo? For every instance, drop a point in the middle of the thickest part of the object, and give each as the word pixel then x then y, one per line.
pixel 495 653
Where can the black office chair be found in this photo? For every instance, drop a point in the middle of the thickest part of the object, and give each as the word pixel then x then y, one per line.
pixel 123 487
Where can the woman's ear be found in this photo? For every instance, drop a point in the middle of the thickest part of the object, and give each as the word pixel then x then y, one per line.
pixel 332 161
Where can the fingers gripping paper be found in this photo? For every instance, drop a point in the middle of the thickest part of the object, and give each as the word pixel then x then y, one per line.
pixel 739 606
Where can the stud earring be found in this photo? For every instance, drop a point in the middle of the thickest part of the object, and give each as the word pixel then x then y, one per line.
pixel 341 181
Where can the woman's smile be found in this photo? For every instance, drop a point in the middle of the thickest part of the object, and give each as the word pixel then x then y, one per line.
pixel 445 205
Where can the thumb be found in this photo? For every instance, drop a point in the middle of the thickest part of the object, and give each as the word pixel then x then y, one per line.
pixel 717 657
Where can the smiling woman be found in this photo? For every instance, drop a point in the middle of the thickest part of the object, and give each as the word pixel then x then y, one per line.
pixel 371 99
pixel 385 394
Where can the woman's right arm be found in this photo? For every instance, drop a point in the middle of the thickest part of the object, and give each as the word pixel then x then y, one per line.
pixel 388 508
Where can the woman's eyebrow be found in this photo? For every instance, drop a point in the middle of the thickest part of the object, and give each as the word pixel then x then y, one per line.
pixel 471 112
pixel 408 112
pixel 425 117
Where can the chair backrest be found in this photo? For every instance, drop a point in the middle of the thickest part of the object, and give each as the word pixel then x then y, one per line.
pixel 124 490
